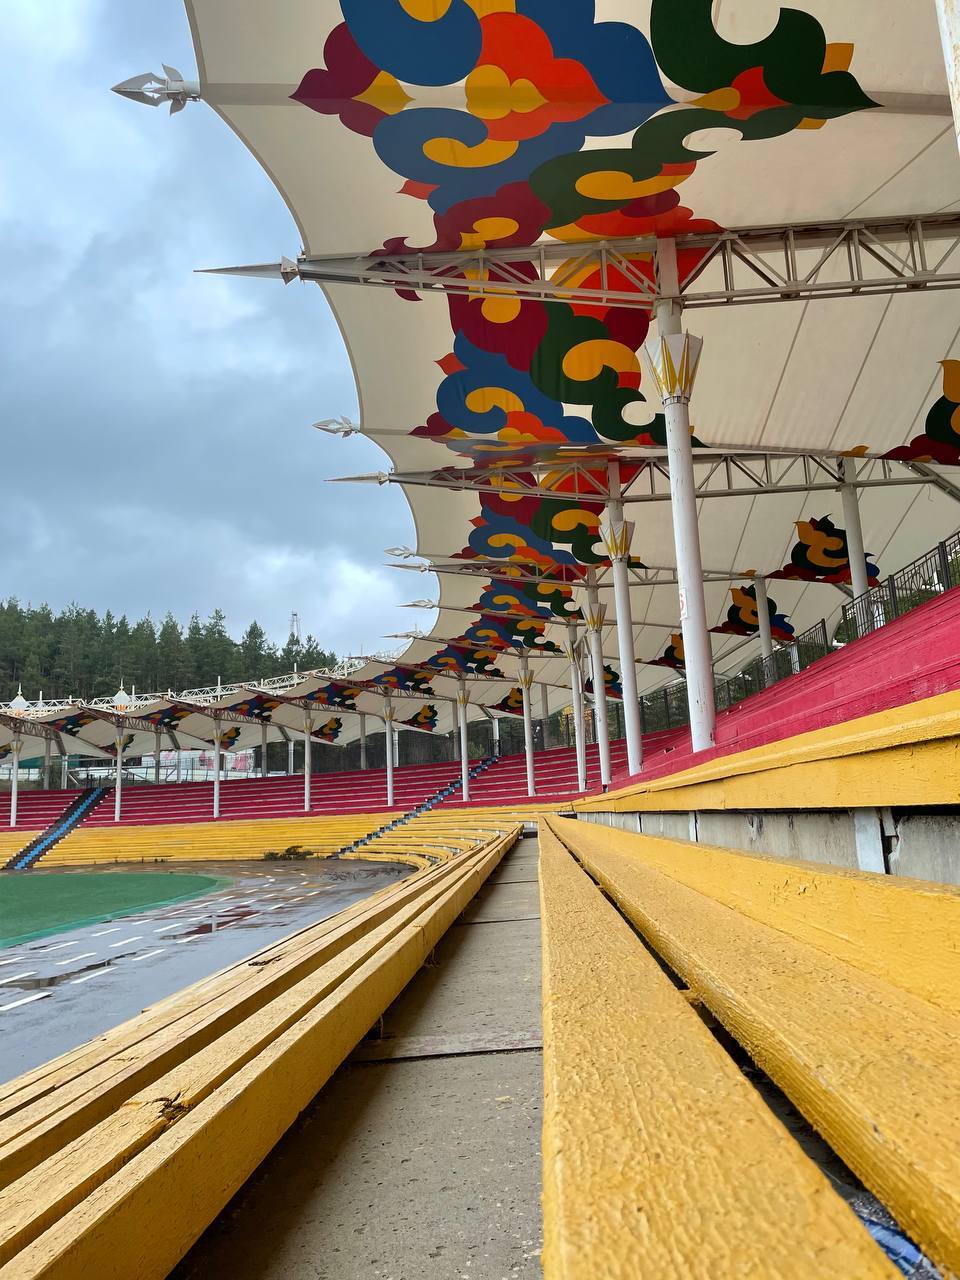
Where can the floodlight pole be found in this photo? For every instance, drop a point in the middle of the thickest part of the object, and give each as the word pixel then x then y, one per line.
pixel 576 696
pixel 118 778
pixel 854 529
pixel 14 778
pixel 363 741
pixel 595 614
pixel 616 533
pixel 948 15
pixel 674 357
pixel 263 750
pixel 307 759
pixel 526 679
pixel 463 700
pixel 388 745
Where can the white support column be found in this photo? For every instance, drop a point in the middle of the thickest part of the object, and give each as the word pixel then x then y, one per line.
pixel 307 759
pixel 388 745
pixel 595 614
pixel 463 699
pixel 64 771
pixel 263 750
pixel 576 697
pixel 156 756
pixel 14 778
pixel 290 758
pixel 118 778
pixel 545 715
pixel 616 533
pixel 674 358
pixel 363 741
pixel 216 769
pixel 948 15
pixel 495 732
pixel 763 616
pixel 526 679
pixel 179 774
pixel 854 529
pixel 47 747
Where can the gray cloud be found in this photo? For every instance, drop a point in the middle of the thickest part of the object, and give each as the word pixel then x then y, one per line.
pixel 156 447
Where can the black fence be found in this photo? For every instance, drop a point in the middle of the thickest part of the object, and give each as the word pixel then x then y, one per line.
pixel 929 575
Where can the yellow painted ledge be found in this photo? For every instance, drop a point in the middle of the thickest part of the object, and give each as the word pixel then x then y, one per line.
pixel 908 755
pixel 873 1068
pixel 660 1161
pixel 904 931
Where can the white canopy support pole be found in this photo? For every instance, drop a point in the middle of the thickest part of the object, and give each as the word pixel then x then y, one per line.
pixel 14 778
pixel 495 734
pixel 263 750
pixel 948 15
pixel 616 533
pixel 47 748
pixel 576 698
pixel 463 699
pixel 526 679
pixel 307 759
pixel 763 619
pixel 118 778
pixel 854 529
pixel 64 771
pixel 674 357
pixel 763 616
pixel 179 774
pixel 595 614
pixel 388 745
pixel 216 768
pixel 545 715
pixel 363 741
pixel 156 756
pixel 290 758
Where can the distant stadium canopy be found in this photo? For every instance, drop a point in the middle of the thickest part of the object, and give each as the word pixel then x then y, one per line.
pixel 505 169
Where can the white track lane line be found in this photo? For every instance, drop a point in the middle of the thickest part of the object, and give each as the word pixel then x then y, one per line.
pixel 27 973
pixel 147 954
pixel 191 938
pixel 276 908
pixel 13 960
pixel 104 932
pixel 38 995
pixel 167 928
pixel 74 982
pixel 84 955
pixel 57 946
pixel 123 941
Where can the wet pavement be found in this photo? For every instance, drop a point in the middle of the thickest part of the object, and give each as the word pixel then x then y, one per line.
pixel 62 989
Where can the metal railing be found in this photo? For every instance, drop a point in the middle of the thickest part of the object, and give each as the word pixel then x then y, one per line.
pixel 928 576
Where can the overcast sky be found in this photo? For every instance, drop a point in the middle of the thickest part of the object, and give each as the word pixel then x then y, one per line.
pixel 157 452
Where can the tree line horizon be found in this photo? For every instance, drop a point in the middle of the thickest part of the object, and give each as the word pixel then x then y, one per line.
pixel 80 653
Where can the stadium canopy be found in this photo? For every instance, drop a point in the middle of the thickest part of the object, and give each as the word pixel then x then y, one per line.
pixel 536 191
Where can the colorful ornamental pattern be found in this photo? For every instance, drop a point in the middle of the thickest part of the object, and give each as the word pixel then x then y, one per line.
pixel 743 620
pixel 425 719
pixel 504 161
pixel 546 601
pixel 167 719
pixel 511 704
pixel 404 680
pixel 258 707
pixel 940 441
pixel 342 696
pixel 821 555
pixel 672 655
pixel 330 731
pixel 612 687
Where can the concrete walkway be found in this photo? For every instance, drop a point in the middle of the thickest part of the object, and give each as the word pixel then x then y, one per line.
pixel 421 1159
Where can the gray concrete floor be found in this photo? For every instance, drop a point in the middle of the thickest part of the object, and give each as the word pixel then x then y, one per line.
pixel 421 1159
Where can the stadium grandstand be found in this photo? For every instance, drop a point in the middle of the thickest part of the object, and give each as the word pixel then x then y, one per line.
pixel 653 313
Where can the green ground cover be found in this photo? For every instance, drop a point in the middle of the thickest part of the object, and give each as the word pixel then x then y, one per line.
pixel 32 906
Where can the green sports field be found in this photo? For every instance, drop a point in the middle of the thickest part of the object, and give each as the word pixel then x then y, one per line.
pixel 32 906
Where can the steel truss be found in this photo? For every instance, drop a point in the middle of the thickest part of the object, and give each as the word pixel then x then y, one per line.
pixel 563 574
pixel 717 474
pixel 781 263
